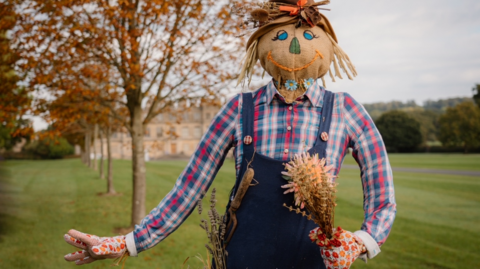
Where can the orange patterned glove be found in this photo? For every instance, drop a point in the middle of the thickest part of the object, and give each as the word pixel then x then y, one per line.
pixel 94 247
pixel 341 252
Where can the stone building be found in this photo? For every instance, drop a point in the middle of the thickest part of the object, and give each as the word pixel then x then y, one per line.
pixel 168 135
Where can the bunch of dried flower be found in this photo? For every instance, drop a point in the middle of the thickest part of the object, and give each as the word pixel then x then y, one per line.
pixel 257 14
pixel 215 228
pixel 314 189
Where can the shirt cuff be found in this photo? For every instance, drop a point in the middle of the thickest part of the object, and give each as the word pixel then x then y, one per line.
pixel 370 244
pixel 132 249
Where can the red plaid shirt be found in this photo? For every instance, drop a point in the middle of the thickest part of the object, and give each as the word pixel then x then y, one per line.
pixel 281 131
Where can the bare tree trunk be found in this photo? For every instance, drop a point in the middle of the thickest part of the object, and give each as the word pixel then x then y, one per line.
pixel 110 188
pixel 88 139
pixel 138 166
pixel 84 150
pixel 102 176
pixel 95 135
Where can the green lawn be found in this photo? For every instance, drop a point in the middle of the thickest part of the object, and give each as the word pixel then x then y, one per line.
pixel 437 225
pixel 433 161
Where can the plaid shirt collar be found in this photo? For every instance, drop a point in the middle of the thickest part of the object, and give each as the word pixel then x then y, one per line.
pixel 313 95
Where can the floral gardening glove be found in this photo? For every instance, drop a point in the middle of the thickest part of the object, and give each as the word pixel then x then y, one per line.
pixel 341 252
pixel 94 247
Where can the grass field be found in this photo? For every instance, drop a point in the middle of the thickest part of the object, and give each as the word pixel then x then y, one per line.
pixel 433 161
pixel 437 225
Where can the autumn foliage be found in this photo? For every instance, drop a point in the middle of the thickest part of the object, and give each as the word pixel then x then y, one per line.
pixel 14 100
pixel 133 58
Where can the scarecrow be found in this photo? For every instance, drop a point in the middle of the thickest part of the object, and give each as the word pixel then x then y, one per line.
pixel 296 45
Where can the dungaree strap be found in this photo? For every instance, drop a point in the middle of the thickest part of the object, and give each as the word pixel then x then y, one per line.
pixel 248 110
pixel 320 146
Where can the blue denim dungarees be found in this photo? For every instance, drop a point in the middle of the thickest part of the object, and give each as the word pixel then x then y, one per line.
pixel 268 235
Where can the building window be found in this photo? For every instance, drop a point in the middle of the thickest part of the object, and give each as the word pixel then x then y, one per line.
pixel 207 116
pixel 185 116
pixel 172 132
pixel 197 131
pixel 186 148
pixel 147 132
pixel 159 132
pixel 185 132
pixel 196 116
pixel 160 117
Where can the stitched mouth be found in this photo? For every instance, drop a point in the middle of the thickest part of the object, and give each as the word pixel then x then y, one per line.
pixel 289 69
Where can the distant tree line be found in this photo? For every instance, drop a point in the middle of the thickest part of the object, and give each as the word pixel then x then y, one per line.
pixel 437 106
pixel 443 125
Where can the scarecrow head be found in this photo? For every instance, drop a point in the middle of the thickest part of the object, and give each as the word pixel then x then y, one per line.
pixel 295 44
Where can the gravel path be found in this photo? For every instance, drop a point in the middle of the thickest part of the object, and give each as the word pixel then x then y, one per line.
pixel 427 171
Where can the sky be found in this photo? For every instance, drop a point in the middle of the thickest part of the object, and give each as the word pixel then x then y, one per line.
pixel 409 49
pixel 406 50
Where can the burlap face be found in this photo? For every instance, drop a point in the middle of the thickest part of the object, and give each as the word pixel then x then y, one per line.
pixel 290 53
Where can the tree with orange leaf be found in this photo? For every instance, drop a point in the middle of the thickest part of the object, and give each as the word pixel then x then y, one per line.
pixel 74 118
pixel 14 100
pixel 145 55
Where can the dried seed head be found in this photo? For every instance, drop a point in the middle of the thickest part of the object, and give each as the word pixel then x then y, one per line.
pixel 209 249
pixel 215 229
pixel 212 197
pixel 199 207
pixel 216 215
pixel 211 217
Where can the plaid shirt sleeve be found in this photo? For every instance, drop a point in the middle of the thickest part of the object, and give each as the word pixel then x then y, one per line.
pixel 195 179
pixel 377 179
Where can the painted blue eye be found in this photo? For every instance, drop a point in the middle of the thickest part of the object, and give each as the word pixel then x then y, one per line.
pixel 281 35
pixel 309 35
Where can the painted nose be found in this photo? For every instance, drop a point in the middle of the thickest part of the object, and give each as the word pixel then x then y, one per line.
pixel 295 46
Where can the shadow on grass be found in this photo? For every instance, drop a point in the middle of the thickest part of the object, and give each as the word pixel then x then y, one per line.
pixel 6 201
pixel 123 230
pixel 107 194
pixel 4 227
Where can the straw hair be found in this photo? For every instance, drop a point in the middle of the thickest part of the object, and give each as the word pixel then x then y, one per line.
pixel 248 65
pixel 344 61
